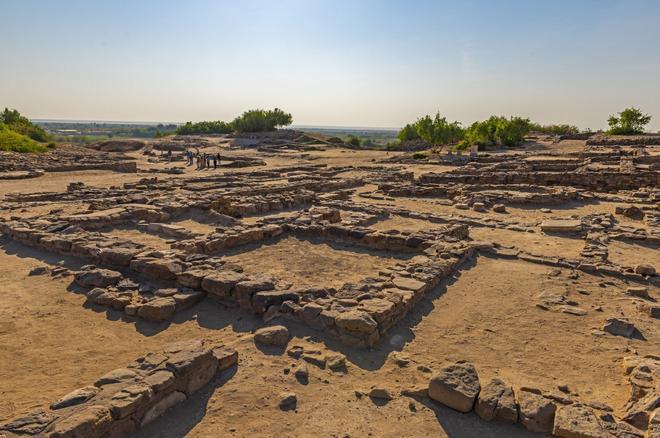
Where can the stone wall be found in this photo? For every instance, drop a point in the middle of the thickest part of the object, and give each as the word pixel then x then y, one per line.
pixel 126 399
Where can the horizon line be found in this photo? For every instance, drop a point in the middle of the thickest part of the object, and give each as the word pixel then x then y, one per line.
pixel 128 122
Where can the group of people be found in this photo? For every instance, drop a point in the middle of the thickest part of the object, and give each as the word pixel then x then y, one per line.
pixel 204 161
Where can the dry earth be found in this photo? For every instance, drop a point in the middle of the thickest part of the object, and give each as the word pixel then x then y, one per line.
pixel 514 262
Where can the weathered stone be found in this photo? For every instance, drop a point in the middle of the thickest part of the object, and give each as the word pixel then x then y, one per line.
pixel 496 401
pixel 262 300
pixel 32 423
pixel 163 405
pixel 160 380
pixel 317 359
pixel 379 309
pixel 288 401
pixel 336 362
pixel 638 291
pixel 186 298
pixel 407 283
pixel 274 335
pixel 158 269
pixel 619 327
pixel 645 269
pixel 456 386
pixel 117 256
pixel 93 421
pixel 537 413
pixel 130 399
pixel 310 312
pixel 116 376
pixel 188 358
pixel 356 321
pixel 244 290
pixel 75 397
pixel 301 373
pixel 192 278
pixel 158 309
pixel 227 357
pixel 577 421
pixel 561 226
pixel 380 394
pixel 97 278
pixel 221 283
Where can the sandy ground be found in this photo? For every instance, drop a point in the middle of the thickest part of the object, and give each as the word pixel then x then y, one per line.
pixel 312 262
pixel 488 316
pixel 52 343
pixel 533 243
pixel 150 240
pixel 631 254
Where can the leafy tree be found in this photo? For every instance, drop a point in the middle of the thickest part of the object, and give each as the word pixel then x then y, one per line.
pixel 260 121
pixel 496 131
pixel 630 121
pixel 437 131
pixel 407 133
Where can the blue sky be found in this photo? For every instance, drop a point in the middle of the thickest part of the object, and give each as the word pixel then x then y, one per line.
pixel 339 62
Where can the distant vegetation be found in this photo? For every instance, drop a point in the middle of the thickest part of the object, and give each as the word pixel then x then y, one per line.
pixel 250 121
pixel 438 132
pixel 212 127
pixel 353 140
pixel 630 121
pixel 19 134
pixel 496 131
pixel 560 129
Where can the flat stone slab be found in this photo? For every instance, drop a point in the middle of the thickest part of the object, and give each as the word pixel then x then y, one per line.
pixel 561 226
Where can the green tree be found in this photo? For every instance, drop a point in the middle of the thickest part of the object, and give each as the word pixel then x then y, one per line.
pixel 407 133
pixel 259 120
pixel 437 131
pixel 496 131
pixel 630 121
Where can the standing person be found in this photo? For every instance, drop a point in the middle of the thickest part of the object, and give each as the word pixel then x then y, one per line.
pixel 218 156
pixel 215 162
pixel 169 155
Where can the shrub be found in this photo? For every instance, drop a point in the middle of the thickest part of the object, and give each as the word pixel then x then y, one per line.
pixel 353 140
pixel 496 131
pixel 206 127
pixel 14 142
pixel 22 125
pixel 558 129
pixel 408 133
pixel 630 121
pixel 419 155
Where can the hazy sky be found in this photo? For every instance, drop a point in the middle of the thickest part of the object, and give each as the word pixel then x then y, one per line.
pixel 331 62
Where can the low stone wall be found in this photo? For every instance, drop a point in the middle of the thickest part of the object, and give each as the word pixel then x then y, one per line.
pixel 597 181
pixel 126 399
pixel 559 413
